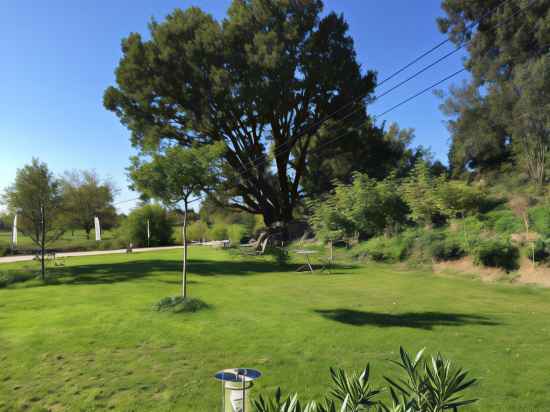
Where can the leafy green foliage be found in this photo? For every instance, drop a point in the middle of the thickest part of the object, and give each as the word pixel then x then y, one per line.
pixel 365 207
pixel 497 253
pixel 446 248
pixel 428 385
pixel 196 80
pixel 236 233
pixel 218 231
pixel 179 304
pixel 457 198
pixel 540 217
pixel 503 222
pixel 36 198
pixel 85 196
pixel 499 115
pixel 134 228
pixel 540 251
pixel 419 190
pixel 175 174
pixel 384 249
pixel 372 151
pixel 197 231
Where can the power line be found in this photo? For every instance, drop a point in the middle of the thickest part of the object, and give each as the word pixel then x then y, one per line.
pixel 284 146
pixel 313 151
pixel 473 24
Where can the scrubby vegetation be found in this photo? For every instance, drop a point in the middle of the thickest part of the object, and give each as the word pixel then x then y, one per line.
pixel 426 217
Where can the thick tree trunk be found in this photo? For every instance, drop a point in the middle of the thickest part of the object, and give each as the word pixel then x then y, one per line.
pixel 184 236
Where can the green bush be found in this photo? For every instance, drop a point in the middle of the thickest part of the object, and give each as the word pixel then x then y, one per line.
pixel 540 216
pixel 236 233
pixel 447 248
pixel 424 385
pixel 497 253
pixel 503 222
pixel 382 249
pixel 134 228
pixel 218 231
pixel 196 231
pixel 541 251
pixel 178 304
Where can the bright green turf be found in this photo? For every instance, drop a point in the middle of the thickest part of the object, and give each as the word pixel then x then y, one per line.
pixel 92 342
pixel 70 239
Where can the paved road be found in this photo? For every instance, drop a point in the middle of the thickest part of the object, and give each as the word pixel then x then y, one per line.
pixel 23 258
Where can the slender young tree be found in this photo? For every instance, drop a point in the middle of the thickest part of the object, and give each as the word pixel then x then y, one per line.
pixel 37 199
pixel 174 176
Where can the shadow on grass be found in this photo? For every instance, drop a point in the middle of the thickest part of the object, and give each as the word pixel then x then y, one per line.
pixel 104 273
pixel 418 320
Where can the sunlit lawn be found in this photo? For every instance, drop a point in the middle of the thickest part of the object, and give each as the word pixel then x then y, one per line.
pixel 90 340
pixel 71 239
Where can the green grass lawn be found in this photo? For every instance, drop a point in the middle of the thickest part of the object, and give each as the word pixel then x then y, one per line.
pixel 90 341
pixel 70 240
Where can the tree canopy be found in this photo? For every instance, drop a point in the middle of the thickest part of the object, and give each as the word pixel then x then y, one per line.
pixel 491 119
pixel 85 196
pixel 36 198
pixel 261 81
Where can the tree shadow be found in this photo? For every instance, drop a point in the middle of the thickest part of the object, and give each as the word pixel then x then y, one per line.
pixel 417 320
pixel 105 273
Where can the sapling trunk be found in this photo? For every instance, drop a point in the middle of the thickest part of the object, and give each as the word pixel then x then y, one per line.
pixel 42 242
pixel 184 235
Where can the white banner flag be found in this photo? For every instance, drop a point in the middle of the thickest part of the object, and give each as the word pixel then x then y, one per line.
pixel 148 231
pixel 97 229
pixel 14 232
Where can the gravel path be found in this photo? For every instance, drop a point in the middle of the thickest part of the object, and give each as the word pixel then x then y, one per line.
pixel 23 258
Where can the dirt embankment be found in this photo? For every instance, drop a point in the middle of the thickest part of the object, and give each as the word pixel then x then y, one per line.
pixel 526 274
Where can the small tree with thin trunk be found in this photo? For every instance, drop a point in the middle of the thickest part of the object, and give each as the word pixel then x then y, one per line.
pixel 520 206
pixel 174 176
pixel 36 198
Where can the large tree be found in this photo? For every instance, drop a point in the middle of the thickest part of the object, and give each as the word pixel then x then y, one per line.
pixel 261 81
pixel 87 196
pixel 176 176
pixel 374 151
pixel 501 47
pixel 36 198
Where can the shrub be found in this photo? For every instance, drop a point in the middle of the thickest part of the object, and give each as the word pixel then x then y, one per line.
pixel 540 216
pixel 447 248
pixel 497 253
pixel 236 233
pixel 178 304
pixel 504 222
pixel 218 231
pixel 383 249
pixel 134 228
pixel 197 231
pixel 426 385
pixel 541 251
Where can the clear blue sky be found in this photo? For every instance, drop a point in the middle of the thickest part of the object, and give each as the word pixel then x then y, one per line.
pixel 58 56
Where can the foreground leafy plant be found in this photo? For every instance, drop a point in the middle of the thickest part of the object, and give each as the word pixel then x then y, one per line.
pixel 433 385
